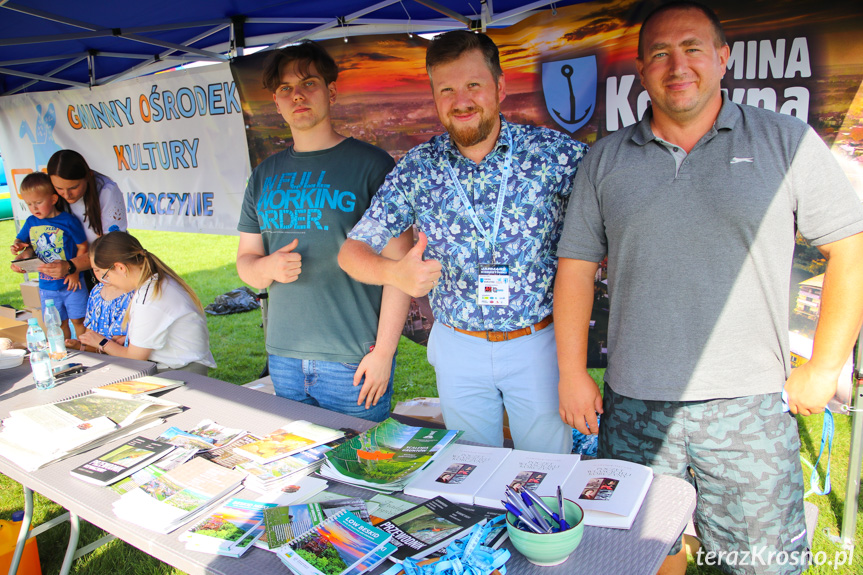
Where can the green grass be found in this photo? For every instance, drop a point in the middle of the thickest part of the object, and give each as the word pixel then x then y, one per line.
pixel 207 263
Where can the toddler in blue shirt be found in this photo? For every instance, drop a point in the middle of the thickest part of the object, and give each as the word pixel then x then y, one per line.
pixel 53 236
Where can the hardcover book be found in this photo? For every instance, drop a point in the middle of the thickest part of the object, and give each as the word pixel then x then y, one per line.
pixel 610 491
pixel 458 473
pixel 540 473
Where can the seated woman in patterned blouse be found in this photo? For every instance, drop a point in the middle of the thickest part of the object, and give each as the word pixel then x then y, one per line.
pixel 106 309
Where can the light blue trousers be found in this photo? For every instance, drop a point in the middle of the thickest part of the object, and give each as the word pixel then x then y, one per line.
pixel 476 379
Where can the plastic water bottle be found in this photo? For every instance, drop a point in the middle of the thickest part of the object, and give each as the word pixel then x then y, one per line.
pixel 40 363
pixel 56 338
pixel 51 315
pixel 35 336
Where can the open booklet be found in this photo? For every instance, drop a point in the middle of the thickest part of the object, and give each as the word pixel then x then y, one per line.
pixel 58 416
pixel 35 436
pixel 167 501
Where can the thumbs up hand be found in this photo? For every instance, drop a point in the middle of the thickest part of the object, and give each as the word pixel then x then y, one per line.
pixel 285 264
pixel 418 276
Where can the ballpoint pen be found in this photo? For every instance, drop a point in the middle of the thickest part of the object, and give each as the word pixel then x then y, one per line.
pixel 518 499
pixel 541 504
pixel 560 505
pixel 530 507
pixel 526 510
pixel 522 517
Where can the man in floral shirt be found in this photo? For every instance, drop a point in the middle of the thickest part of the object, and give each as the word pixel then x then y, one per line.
pixel 488 199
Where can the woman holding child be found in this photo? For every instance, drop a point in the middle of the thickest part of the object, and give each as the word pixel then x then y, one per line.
pixel 97 203
pixel 165 318
pixel 94 199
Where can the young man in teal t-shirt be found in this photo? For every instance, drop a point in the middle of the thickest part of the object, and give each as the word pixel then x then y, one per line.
pixel 331 340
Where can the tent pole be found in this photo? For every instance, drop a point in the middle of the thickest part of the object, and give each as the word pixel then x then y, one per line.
pixel 263 297
pixel 855 455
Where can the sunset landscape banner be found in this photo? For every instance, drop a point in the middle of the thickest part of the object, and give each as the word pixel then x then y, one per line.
pixel 573 70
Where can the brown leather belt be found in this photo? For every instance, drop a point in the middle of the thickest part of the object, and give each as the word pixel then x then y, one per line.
pixel 508 335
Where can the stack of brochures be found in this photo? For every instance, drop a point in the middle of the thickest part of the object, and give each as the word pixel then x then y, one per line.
pixel 272 476
pixel 285 523
pixel 36 436
pixel 205 437
pixel 385 457
pixel 236 526
pixel 290 438
pixel 178 496
pixel 229 530
pixel 340 545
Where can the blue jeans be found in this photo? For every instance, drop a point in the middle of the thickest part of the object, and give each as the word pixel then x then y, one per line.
pixel 476 379
pixel 327 384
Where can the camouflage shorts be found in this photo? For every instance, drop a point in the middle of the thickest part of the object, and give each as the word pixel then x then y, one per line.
pixel 744 455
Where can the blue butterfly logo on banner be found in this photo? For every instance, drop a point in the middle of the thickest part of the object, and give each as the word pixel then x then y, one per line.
pixel 570 91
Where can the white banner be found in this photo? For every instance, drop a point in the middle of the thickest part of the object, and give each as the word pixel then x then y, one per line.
pixel 175 144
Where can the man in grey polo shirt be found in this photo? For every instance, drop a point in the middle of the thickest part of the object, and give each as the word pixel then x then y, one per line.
pixel 696 207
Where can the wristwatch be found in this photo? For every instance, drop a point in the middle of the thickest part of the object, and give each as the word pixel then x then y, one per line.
pixel 102 344
pixel 72 268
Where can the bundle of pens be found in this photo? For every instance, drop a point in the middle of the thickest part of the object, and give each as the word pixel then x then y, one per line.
pixel 546 530
pixel 523 504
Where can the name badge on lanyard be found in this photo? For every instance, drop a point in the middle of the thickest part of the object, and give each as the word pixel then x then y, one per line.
pixel 493 283
pixel 492 287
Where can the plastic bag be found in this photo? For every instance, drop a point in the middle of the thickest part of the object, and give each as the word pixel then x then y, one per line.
pixel 235 301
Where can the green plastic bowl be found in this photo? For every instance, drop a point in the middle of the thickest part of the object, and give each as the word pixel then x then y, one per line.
pixel 549 548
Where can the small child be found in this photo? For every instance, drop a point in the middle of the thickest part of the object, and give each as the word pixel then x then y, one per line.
pixel 54 236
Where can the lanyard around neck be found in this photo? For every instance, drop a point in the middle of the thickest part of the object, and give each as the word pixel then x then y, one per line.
pixel 468 206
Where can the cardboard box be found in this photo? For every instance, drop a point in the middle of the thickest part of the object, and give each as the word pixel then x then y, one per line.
pixel 426 408
pixel 14 330
pixel 12 313
pixel 30 294
pixel 8 312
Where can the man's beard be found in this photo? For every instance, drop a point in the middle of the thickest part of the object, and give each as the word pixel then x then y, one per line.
pixel 467 136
